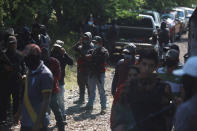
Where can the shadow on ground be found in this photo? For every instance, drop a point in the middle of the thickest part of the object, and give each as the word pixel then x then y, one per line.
pixel 76 109
pixel 86 115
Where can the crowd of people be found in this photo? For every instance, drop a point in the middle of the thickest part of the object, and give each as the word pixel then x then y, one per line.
pixel 154 95
pixel 33 78
pixel 33 71
pixel 149 94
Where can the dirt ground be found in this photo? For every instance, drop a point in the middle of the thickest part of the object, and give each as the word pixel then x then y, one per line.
pixel 183 44
pixel 78 119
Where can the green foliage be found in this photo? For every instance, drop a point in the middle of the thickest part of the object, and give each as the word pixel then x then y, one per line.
pixel 63 17
pixel 160 5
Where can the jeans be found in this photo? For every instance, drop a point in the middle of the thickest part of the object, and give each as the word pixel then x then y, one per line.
pixel 99 81
pixel 61 99
pixel 54 104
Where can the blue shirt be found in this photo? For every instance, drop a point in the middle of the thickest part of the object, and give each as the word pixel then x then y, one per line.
pixel 38 82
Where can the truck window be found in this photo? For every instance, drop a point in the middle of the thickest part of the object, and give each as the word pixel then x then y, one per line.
pixel 180 14
pixel 142 22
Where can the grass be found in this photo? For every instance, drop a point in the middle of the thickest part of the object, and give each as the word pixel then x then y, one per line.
pixel 71 77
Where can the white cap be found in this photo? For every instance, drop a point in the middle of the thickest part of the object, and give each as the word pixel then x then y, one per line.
pixel 190 68
pixel 59 43
pixel 10 31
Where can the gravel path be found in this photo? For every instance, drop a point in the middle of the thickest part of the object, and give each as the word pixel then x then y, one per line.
pixel 78 119
pixel 183 44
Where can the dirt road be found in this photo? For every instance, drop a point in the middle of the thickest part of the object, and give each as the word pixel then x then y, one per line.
pixel 183 44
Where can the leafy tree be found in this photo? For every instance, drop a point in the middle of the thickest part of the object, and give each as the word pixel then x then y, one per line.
pixel 63 16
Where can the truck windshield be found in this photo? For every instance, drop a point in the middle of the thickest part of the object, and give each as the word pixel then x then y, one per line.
pixel 141 22
pixel 167 16
pixel 190 12
pixel 180 14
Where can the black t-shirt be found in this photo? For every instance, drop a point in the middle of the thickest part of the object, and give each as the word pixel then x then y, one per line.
pixel 64 60
pixel 163 36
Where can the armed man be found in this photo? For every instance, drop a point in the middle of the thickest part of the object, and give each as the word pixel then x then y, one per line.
pixel 163 38
pixel 97 59
pixel 12 76
pixel 82 48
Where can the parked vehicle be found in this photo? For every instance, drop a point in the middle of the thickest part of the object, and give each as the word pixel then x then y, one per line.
pixel 173 24
pixel 141 32
pixel 181 16
pixel 189 12
pixel 156 17
pixel 192 35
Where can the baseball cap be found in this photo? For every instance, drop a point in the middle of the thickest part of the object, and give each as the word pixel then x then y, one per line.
pixel 125 51
pixel 97 39
pixel 10 31
pixel 190 68
pixel 131 48
pixel 59 43
pixel 88 34
pixel 12 40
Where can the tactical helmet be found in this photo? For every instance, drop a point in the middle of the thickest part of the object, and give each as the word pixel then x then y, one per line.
pixel 172 54
pixel 163 25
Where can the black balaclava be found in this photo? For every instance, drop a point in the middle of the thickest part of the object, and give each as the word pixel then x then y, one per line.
pixel 32 61
pixel 32 54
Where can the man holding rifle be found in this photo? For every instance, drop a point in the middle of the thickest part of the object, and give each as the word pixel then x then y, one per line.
pixel 82 48
pixel 97 59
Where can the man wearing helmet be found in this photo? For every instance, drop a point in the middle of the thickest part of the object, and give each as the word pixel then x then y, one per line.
pixel 166 74
pixel 122 67
pixel 163 34
pixel 163 37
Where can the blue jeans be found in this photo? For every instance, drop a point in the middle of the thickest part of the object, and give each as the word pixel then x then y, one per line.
pixel 54 104
pixel 61 99
pixel 99 81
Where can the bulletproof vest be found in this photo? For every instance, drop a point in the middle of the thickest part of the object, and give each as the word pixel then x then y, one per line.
pixel 99 58
pixel 83 64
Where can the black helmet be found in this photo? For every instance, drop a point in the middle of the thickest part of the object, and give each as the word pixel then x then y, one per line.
pixel 172 54
pixel 176 47
pixel 163 25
